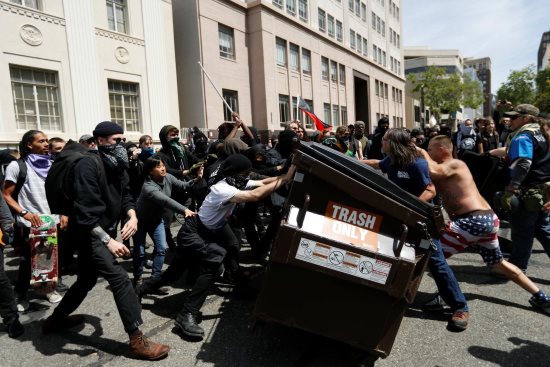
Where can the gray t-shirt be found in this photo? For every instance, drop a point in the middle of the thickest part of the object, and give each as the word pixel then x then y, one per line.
pixel 32 196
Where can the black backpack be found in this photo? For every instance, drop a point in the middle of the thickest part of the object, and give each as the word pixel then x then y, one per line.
pixel 60 180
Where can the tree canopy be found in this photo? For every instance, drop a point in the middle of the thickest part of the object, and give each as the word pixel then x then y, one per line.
pixel 446 92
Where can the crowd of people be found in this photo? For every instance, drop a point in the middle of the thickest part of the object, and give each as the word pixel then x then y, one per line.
pixel 122 191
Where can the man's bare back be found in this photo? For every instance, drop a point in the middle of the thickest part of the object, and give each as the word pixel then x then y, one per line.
pixel 458 190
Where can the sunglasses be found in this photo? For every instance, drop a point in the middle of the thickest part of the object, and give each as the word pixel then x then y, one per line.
pixel 120 140
pixel 90 141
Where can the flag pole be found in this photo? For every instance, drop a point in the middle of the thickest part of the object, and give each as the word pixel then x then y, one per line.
pixel 297 110
pixel 216 89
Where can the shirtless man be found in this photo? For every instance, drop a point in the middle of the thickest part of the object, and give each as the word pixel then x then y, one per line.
pixel 473 223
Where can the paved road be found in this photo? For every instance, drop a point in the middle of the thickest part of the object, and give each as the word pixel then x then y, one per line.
pixel 504 330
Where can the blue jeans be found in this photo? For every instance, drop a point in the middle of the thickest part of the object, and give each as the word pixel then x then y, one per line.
pixel 526 226
pixel 159 241
pixel 445 280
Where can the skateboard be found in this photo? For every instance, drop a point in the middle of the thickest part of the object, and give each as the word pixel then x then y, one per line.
pixel 43 242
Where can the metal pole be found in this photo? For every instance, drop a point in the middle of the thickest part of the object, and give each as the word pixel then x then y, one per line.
pixel 216 89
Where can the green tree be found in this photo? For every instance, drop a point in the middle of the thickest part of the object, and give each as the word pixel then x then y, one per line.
pixel 446 93
pixel 519 87
pixel 542 82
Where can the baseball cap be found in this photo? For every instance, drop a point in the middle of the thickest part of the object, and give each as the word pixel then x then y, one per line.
pixel 523 109
pixel 85 137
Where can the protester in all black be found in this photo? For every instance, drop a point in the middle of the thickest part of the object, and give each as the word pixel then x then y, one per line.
pixel 375 151
pixel 100 197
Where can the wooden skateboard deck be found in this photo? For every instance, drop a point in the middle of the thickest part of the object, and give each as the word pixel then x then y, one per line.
pixel 44 266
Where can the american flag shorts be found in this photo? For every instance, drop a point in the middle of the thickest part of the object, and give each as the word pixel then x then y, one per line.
pixel 476 231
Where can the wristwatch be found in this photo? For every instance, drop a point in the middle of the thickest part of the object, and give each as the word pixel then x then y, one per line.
pixel 23 212
pixel 105 239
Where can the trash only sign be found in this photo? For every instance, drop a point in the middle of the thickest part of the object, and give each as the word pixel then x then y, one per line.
pixel 343 261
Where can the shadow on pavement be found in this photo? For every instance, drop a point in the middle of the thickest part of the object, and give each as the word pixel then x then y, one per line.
pixel 528 353
pixel 60 343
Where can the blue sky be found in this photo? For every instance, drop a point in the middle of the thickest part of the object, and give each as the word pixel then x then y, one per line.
pixel 507 31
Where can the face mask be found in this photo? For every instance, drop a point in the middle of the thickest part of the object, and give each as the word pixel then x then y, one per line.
pixel 146 153
pixel 175 139
pixel 114 155
pixel 237 181
pixel 466 130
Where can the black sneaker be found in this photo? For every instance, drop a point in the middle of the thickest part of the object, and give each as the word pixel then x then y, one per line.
pixel 543 305
pixel 435 305
pixel 189 326
pixel 15 329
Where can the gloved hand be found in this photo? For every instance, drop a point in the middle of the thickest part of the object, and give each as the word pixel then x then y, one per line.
pixel 7 237
pixel 506 201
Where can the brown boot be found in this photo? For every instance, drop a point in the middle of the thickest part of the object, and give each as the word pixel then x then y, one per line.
pixel 144 348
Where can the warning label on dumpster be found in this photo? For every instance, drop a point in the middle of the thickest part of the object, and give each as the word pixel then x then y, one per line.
pixel 343 261
pixel 351 225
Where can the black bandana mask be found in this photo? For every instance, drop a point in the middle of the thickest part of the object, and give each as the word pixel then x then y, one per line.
pixel 237 181
pixel 115 156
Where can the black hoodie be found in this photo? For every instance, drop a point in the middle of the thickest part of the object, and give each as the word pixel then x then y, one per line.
pixel 174 165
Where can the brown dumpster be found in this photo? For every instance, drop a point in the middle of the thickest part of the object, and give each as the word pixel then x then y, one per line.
pixel 350 253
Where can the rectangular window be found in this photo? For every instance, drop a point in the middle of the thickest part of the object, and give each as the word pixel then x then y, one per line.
pixel 294 57
pixel 278 3
pixel 302 9
pixel 357 8
pixel 116 15
pixel 378 25
pixel 335 115
pixel 373 17
pixel 284 108
pixel 342 74
pixel 306 61
pixel 333 71
pixel 324 68
pixel 339 32
pixel 330 25
pixel 398 41
pixel 397 13
pixel 363 12
pixel 365 47
pixel 359 44
pixel 291 7
pixel 393 94
pixel 377 116
pixel 352 39
pixel 386 94
pixel 384 58
pixel 124 104
pixel 383 28
pixel 326 110
pixel 374 53
pixel 36 99
pixel 350 5
pixel 232 99
pixel 376 88
pixel 308 122
pixel 379 55
pixel 226 42
pixel 322 19
pixel 34 4
pixel 344 114
pixel 281 51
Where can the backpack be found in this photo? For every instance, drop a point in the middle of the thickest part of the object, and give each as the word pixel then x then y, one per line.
pixel 60 180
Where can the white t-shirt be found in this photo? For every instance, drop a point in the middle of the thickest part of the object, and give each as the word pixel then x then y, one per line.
pixel 217 207
pixel 32 196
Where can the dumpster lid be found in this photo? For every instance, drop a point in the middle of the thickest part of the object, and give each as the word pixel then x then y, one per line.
pixel 366 175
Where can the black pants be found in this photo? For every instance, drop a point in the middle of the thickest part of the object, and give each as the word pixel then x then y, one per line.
pixel 23 281
pixel 198 254
pixel 95 259
pixel 8 308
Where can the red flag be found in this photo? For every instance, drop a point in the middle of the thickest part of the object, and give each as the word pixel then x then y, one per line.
pixel 319 124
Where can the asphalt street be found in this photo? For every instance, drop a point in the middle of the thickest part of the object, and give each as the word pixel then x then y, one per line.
pixel 504 330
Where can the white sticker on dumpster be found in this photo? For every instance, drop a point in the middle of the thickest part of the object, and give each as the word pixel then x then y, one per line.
pixel 343 261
